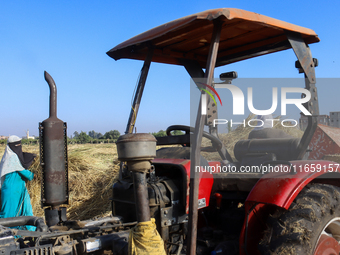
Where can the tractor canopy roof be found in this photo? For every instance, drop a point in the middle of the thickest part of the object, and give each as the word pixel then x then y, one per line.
pixel 244 35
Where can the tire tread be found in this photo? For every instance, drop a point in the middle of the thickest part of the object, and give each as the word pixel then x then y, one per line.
pixel 295 230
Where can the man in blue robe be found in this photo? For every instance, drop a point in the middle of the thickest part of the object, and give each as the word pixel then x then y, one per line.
pixel 15 200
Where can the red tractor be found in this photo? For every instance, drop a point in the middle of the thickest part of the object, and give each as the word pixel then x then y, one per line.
pixel 295 211
pixel 291 208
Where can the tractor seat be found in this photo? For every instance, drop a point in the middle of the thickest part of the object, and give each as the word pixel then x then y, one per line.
pixel 278 148
pixel 254 152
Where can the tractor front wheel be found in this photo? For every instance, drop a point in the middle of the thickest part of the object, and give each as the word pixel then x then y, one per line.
pixel 310 226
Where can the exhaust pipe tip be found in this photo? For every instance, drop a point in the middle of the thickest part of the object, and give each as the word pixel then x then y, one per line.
pixel 53 94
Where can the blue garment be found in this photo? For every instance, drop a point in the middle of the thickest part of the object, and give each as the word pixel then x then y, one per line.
pixel 15 200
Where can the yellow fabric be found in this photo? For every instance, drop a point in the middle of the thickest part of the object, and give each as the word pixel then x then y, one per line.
pixel 144 239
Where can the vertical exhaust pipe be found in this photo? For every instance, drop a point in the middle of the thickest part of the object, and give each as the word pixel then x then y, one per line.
pixel 53 94
pixel 53 161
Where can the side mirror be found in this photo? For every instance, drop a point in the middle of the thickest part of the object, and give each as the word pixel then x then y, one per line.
pixel 228 76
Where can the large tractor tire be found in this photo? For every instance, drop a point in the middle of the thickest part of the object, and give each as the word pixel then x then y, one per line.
pixel 310 226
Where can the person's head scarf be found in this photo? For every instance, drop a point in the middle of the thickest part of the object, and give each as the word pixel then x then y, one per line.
pixel 26 159
pixel 14 159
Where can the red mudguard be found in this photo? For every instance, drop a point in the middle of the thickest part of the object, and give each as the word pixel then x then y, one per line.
pixel 279 189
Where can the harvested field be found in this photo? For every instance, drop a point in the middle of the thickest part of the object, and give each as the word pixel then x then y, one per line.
pixel 93 169
pixel 335 158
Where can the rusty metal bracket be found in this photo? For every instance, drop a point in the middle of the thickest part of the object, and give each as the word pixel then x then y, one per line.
pixel 303 53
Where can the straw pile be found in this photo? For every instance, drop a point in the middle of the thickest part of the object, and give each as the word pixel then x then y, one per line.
pixel 334 158
pixel 93 168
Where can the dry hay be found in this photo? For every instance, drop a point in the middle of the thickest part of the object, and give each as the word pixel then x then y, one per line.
pixel 240 133
pixel 334 158
pixel 93 168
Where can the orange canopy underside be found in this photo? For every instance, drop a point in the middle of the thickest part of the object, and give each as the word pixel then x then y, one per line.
pixel 244 35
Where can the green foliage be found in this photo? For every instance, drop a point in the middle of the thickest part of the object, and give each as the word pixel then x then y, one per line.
pixel 96 135
pixel 23 141
pixel 160 133
pixel 83 137
pixel 177 132
pixel 79 138
pixel 29 141
pixel 113 134
pixel 75 134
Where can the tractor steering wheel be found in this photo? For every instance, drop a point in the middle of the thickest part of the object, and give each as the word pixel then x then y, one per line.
pixel 217 143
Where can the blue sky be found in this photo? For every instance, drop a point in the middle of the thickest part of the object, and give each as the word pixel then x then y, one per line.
pixel 69 39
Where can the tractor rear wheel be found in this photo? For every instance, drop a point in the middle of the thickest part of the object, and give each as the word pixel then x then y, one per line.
pixel 310 226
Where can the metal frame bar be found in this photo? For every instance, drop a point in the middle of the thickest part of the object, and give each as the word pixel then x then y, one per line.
pixel 304 56
pixel 136 102
pixel 195 155
pixel 195 71
pixel 139 92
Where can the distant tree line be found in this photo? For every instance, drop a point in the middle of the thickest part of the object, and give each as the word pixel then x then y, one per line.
pixel 23 141
pixel 94 137
pixel 82 137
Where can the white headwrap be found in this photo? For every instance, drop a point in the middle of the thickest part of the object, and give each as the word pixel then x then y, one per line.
pixel 13 139
pixel 10 161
